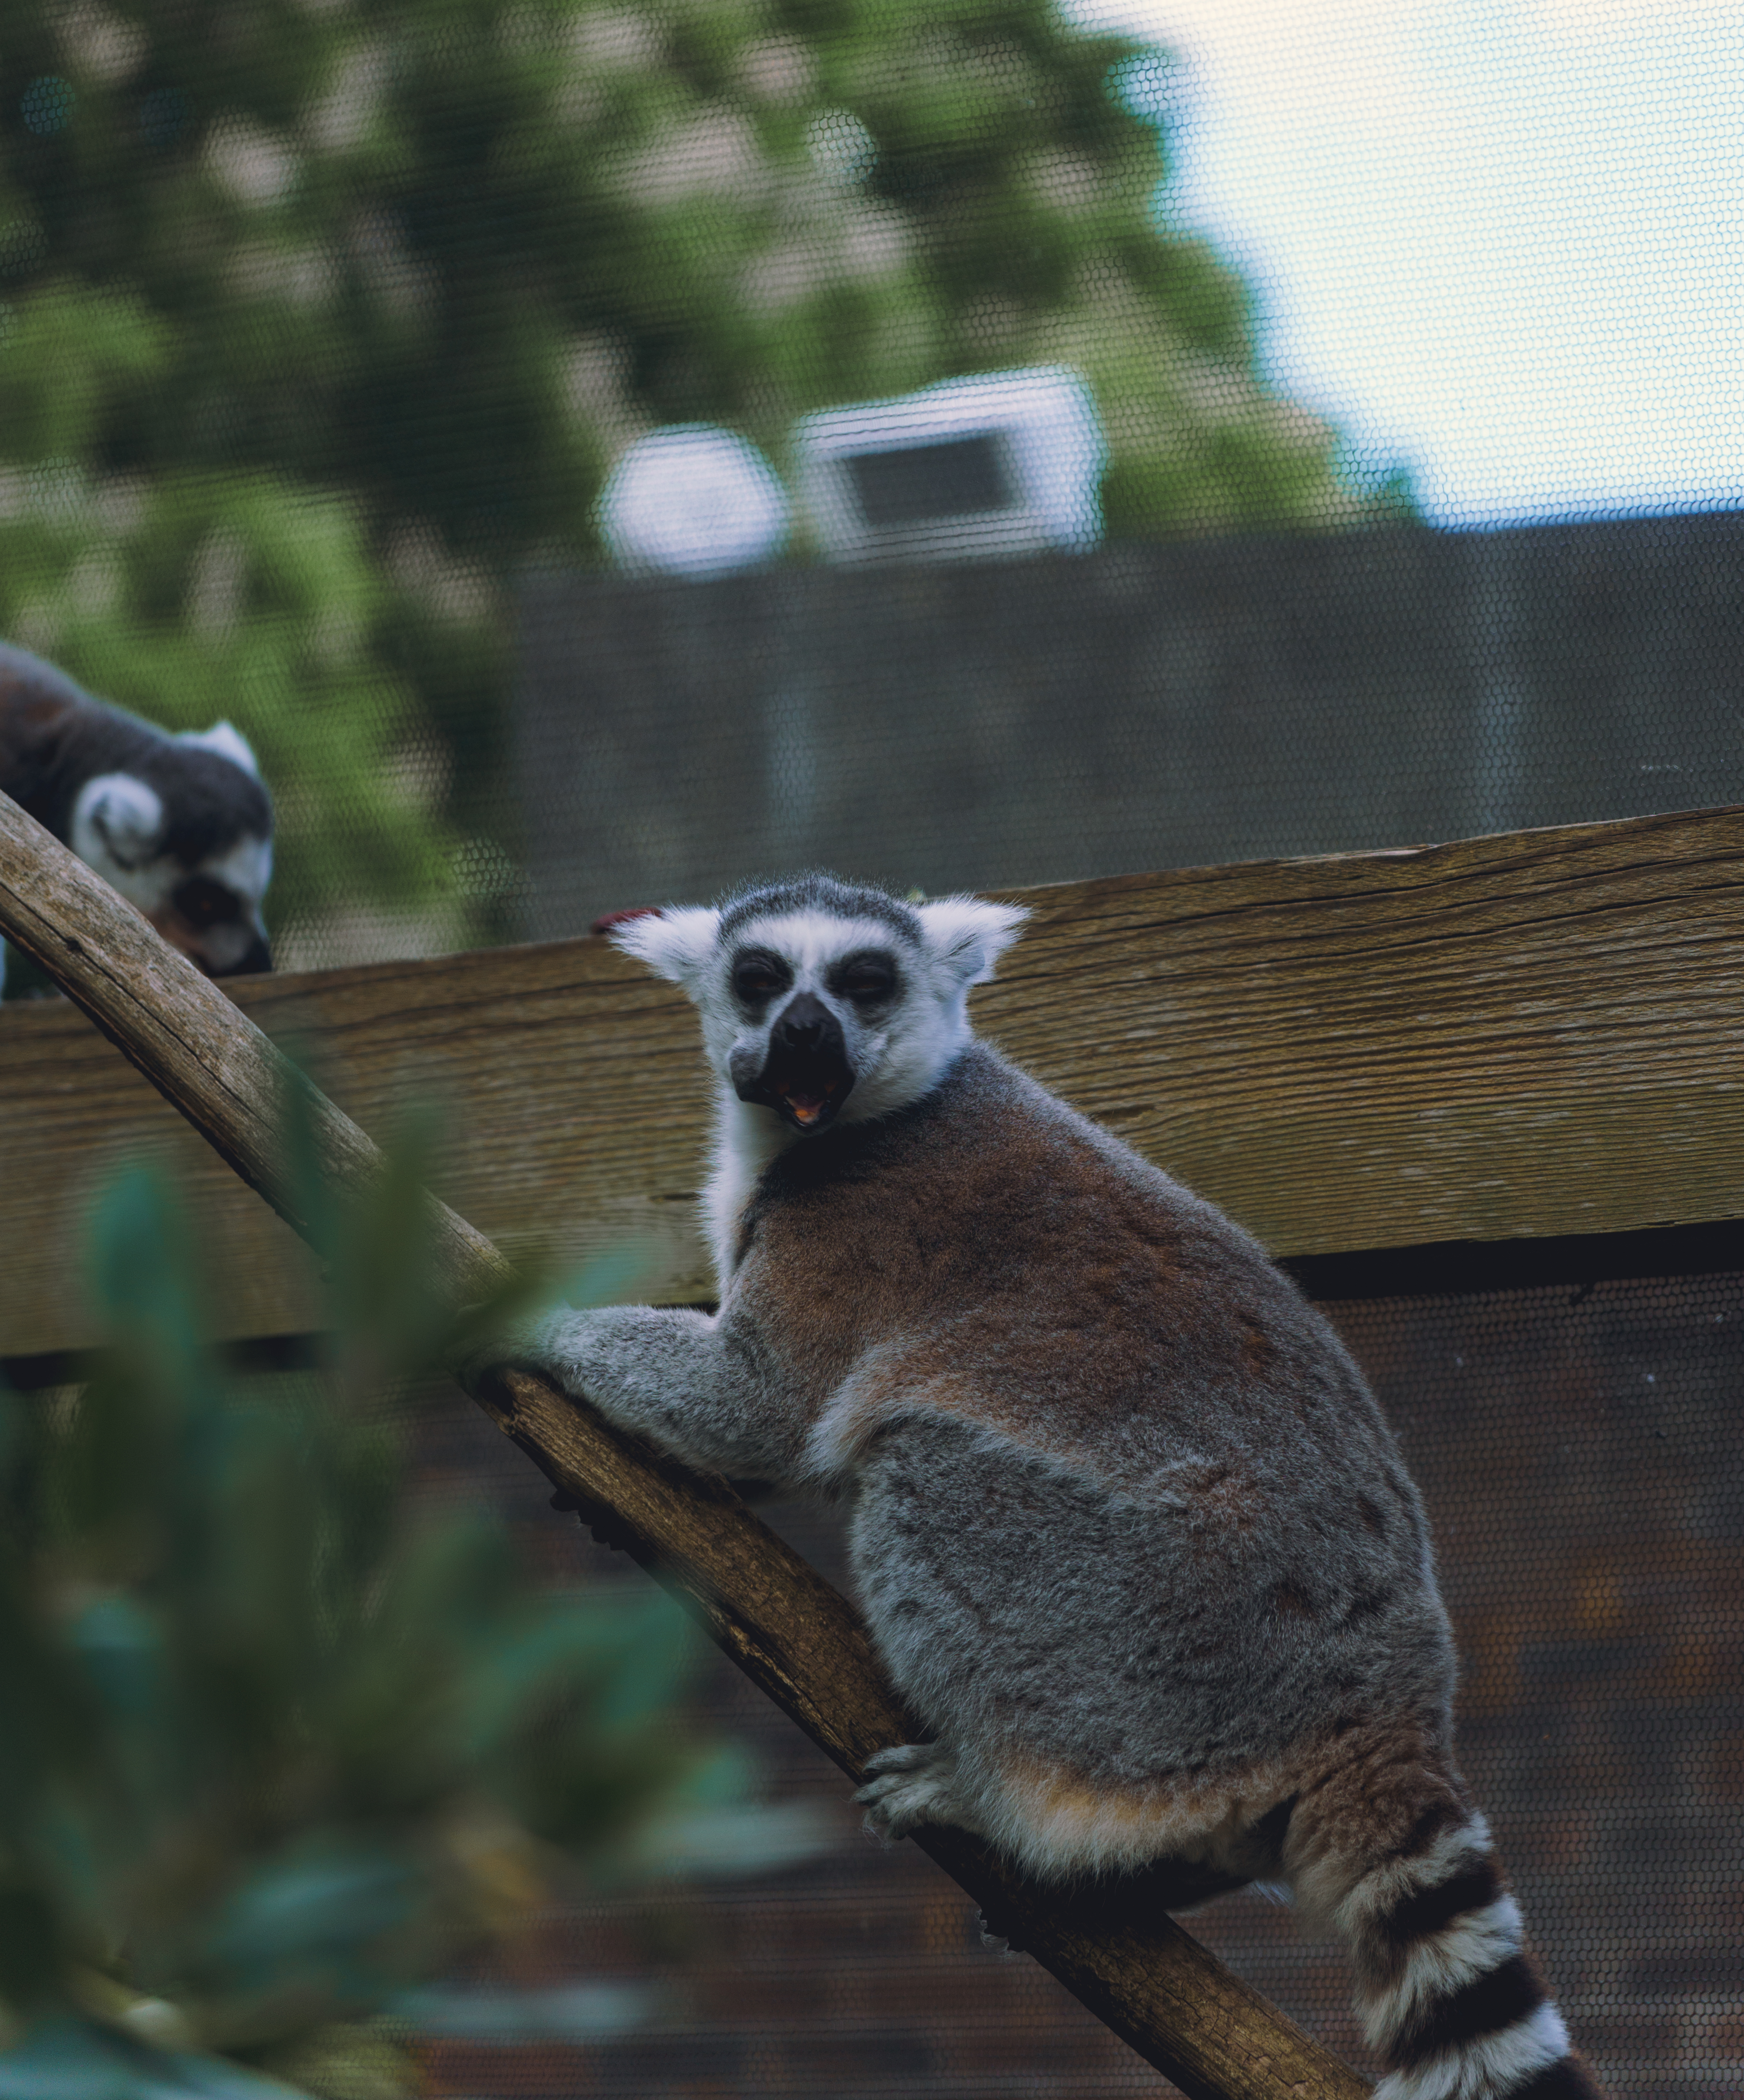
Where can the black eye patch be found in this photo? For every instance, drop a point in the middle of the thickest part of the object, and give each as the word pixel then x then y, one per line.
pixel 867 978
pixel 758 976
pixel 203 902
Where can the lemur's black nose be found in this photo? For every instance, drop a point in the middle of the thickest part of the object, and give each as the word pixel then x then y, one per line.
pixel 807 1025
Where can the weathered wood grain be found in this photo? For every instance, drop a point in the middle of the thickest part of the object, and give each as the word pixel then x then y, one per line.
pixel 1533 1035
pixel 772 1614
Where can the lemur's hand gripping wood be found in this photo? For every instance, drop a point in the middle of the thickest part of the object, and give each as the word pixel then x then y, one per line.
pixel 783 1626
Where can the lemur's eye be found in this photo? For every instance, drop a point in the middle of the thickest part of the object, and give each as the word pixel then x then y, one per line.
pixel 757 978
pixel 202 901
pixel 865 978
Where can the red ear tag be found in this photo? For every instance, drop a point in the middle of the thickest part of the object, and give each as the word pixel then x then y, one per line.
pixel 604 925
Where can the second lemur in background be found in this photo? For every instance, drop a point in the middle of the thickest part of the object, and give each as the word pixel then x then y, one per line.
pixel 1130 1534
pixel 181 825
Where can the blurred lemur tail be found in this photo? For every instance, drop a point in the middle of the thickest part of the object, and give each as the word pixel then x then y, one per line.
pixel 1445 1990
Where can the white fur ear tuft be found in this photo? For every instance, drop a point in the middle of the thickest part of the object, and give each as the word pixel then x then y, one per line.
pixel 227 741
pixel 116 819
pixel 674 944
pixel 969 934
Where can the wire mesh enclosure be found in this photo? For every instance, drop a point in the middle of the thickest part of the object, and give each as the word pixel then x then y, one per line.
pixel 332 335
pixel 1046 721
pixel 600 453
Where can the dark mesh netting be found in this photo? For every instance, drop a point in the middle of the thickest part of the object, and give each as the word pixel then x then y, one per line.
pixel 1580 1453
pixel 597 450
pixel 1132 709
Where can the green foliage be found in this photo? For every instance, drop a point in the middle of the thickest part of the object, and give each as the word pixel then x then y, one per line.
pixel 321 319
pixel 274 1740
pixel 193 595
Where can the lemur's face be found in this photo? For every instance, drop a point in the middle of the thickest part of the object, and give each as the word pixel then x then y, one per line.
pixel 803 1009
pixel 819 1001
pixel 197 872
pixel 180 824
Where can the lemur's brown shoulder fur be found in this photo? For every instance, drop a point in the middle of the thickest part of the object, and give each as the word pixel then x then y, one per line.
pixel 1000 1235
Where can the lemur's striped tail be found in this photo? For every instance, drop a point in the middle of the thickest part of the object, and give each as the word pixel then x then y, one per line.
pixel 1445 1991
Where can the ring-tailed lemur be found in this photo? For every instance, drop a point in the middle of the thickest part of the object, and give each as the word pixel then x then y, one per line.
pixel 180 825
pixel 1130 1534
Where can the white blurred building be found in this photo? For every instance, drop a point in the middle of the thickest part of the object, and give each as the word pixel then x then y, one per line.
pixel 1000 463
pixel 693 499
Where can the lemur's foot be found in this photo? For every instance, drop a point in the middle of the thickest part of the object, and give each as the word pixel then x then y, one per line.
pixel 913 1784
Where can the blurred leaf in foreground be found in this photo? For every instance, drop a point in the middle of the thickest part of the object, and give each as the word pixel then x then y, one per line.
pixel 278 1742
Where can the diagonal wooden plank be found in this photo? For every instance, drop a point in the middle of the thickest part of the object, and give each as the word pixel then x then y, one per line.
pixel 1528 1035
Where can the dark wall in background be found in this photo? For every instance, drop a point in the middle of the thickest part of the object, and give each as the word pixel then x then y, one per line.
pixel 1143 707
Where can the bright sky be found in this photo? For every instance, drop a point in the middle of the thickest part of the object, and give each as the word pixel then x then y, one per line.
pixel 1502 239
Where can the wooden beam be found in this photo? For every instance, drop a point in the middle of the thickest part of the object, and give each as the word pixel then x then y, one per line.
pixel 1503 1040
pixel 771 1613
pixel 1532 1034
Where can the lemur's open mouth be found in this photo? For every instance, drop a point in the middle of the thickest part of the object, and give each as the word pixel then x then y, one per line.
pixel 804 1090
pixel 807 1076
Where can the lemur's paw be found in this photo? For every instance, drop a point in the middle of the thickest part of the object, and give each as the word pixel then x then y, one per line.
pixel 914 1783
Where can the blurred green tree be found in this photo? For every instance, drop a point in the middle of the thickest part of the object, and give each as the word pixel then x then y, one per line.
pixel 277 1738
pixel 321 317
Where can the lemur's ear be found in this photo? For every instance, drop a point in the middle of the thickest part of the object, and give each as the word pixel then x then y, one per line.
pixel 227 741
pixel 673 944
pixel 118 818
pixel 968 934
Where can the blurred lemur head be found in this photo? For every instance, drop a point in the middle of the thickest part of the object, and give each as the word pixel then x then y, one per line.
pixel 821 1000
pixel 180 825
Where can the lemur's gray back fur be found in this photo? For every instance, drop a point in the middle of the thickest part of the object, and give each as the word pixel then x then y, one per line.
pixel 1129 1531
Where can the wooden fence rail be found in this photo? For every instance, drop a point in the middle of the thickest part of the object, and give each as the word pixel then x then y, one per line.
pixel 1493 1044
